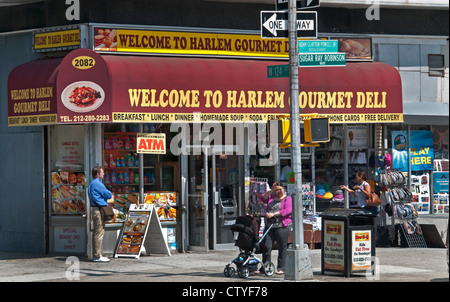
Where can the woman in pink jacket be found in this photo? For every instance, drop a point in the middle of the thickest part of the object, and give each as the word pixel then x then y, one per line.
pixel 278 213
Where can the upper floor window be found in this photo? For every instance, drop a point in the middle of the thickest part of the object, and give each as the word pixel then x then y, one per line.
pixel 436 66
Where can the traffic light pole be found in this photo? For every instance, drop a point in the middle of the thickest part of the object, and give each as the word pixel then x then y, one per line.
pixel 298 262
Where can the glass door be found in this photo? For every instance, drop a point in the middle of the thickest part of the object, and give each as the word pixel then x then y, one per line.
pixel 213 197
pixel 225 184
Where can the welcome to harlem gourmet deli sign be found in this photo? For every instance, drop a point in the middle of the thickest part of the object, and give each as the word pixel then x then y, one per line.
pixel 87 87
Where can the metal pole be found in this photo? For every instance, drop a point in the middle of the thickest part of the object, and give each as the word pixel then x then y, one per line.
pixel 298 240
pixel 298 262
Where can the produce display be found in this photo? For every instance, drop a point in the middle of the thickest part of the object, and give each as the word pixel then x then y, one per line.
pixel 121 203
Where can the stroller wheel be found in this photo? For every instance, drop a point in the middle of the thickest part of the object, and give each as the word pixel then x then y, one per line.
pixel 269 268
pixel 243 272
pixel 229 271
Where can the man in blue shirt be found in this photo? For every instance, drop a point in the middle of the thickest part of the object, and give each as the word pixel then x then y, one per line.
pixel 98 196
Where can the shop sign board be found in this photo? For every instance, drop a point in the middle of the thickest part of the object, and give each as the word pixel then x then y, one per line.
pixel 301 4
pixel 141 41
pixel 141 229
pixel 83 88
pixel 321 59
pixel 60 39
pixel 318 46
pixel 32 102
pixel 70 239
pixel 86 87
pixel 275 24
pixel 151 143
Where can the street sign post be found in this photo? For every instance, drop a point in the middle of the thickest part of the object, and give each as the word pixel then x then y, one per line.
pixel 278 71
pixel 301 4
pixel 298 258
pixel 275 24
pixel 321 59
pixel 317 46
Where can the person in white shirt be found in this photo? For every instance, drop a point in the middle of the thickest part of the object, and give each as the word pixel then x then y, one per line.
pixel 361 190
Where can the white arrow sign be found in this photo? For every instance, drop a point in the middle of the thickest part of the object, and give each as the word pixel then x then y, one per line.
pixel 272 24
pixel 275 24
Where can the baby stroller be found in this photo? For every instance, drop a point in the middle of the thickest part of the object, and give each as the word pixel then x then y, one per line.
pixel 248 243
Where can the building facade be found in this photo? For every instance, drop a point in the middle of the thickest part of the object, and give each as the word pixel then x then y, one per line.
pixel 31 221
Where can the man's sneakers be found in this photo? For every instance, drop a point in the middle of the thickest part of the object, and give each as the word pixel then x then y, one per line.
pixel 100 259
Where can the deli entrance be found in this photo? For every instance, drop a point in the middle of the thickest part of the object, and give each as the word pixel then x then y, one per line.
pixel 215 197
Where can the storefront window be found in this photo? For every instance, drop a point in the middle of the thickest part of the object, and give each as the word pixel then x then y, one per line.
pixel 441 170
pixel 127 172
pixel 68 179
pixel 440 142
pixel 428 158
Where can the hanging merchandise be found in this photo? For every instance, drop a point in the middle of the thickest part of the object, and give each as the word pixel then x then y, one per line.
pixel 404 208
pixel 258 186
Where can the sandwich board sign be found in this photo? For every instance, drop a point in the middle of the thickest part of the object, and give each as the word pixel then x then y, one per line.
pixel 141 230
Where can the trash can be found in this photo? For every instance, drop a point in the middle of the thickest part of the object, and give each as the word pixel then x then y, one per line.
pixel 348 241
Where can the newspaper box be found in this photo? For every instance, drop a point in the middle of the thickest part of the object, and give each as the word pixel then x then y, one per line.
pixel 348 243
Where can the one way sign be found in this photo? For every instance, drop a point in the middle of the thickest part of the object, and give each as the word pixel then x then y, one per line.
pixel 275 24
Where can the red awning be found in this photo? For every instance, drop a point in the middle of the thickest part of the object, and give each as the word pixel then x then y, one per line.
pixel 32 93
pixel 165 89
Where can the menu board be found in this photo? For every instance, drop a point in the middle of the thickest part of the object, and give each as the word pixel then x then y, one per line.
pixel 68 193
pixel 133 233
pixel 164 203
pixel 141 229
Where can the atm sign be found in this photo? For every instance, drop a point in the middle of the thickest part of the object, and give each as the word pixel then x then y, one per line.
pixel 151 143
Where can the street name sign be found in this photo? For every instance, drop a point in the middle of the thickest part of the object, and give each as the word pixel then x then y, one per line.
pixel 317 46
pixel 278 71
pixel 275 24
pixel 301 4
pixel 321 59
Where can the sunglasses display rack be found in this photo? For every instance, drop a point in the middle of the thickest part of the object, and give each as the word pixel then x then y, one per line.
pixel 402 209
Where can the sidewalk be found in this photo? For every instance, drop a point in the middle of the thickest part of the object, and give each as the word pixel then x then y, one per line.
pixel 396 265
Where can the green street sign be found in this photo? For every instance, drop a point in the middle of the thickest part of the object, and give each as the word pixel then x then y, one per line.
pixel 278 71
pixel 317 46
pixel 321 59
